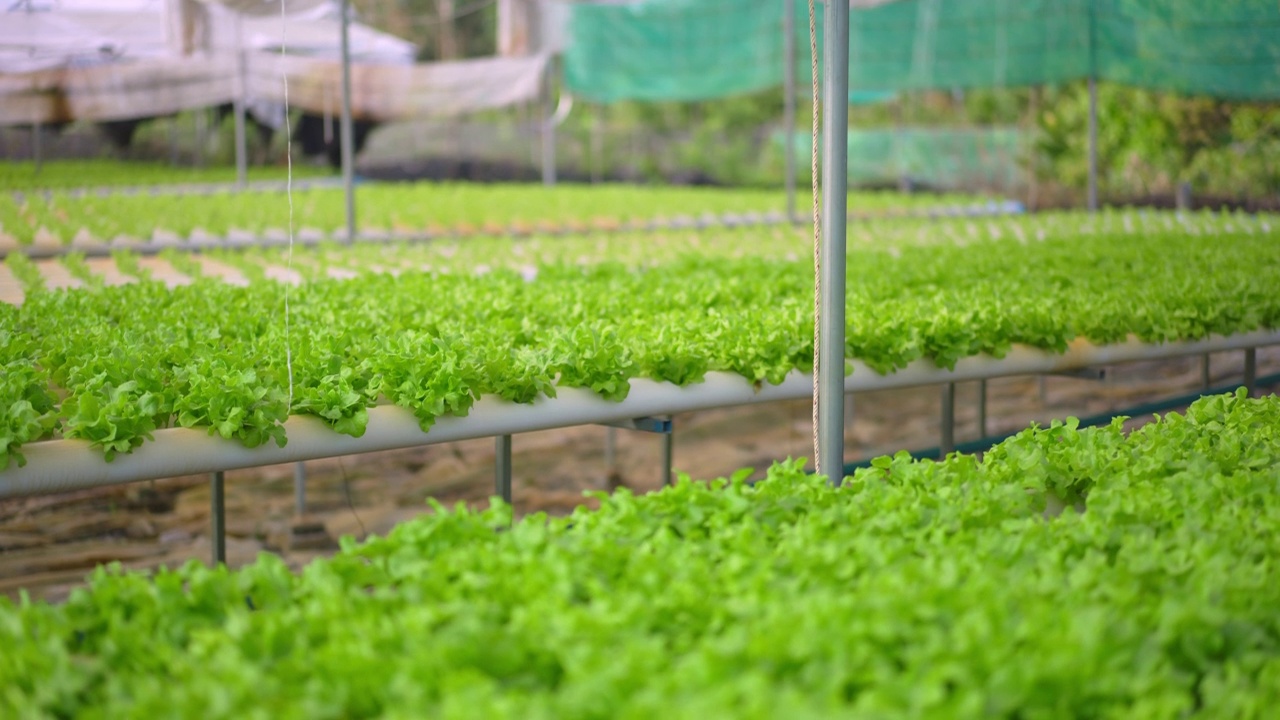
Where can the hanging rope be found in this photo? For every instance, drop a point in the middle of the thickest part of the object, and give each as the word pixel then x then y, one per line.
pixel 817 226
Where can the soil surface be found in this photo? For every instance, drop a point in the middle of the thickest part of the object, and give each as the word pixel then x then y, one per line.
pixel 48 544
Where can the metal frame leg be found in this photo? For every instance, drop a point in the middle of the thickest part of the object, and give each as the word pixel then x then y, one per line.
pixel 1250 370
pixel 948 441
pixel 300 488
pixel 668 451
pixel 982 408
pixel 502 468
pixel 610 449
pixel 218 517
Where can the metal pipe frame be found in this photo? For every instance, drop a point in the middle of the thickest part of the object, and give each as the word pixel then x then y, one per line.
pixel 346 133
pixel 1250 370
pixel 982 408
pixel 789 101
pixel 299 489
pixel 502 468
pixel 947 440
pixel 548 127
pixel 668 452
pixel 835 180
pixel 61 465
pixel 242 150
pixel 218 517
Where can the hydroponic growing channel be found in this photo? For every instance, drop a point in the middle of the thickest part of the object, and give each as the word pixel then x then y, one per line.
pixel 392 346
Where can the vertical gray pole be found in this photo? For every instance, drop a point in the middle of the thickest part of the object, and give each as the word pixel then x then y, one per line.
pixel 982 408
pixel 201 139
pixel 835 148
pixel 789 102
pixel 948 439
pixel 347 135
pixel 37 149
pixel 299 489
pixel 668 451
pixel 610 450
pixel 1093 144
pixel 548 127
pixel 1093 106
pixel 502 468
pixel 1250 370
pixel 173 140
pixel 597 145
pixel 218 518
pixel 242 156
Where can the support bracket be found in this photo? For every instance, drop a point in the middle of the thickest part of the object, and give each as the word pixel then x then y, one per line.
pixel 1083 373
pixel 661 426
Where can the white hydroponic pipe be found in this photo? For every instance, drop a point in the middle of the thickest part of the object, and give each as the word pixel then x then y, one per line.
pixel 60 465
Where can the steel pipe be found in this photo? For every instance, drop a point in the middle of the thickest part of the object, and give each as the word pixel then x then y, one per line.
pixel 948 435
pixel 299 489
pixel 346 134
pixel 218 517
pixel 835 180
pixel 502 468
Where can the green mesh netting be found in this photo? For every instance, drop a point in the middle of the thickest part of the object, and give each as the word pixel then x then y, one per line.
pixel 701 49
pixel 945 158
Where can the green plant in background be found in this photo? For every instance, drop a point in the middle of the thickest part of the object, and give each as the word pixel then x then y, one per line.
pixel 1149 142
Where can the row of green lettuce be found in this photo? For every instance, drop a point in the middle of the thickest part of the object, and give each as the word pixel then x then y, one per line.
pixel 26 176
pixel 914 589
pixel 397 208
pixel 111 364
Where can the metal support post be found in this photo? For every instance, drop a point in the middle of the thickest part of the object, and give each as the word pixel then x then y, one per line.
pixel 548 128
pixel 668 449
pixel 201 136
pixel 37 147
pixel 346 133
pixel 300 489
pixel 982 408
pixel 610 450
pixel 1250 370
pixel 173 140
pixel 1206 379
pixel 643 424
pixel 835 145
pixel 502 469
pixel 597 145
pixel 1093 107
pixel 218 518
pixel 948 440
pixel 242 151
pixel 1093 145
pixel 789 102
pixel 1099 373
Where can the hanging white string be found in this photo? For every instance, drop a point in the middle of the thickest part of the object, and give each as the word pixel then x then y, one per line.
pixel 288 188
pixel 817 226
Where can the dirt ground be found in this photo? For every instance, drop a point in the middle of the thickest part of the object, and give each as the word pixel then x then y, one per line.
pixel 48 544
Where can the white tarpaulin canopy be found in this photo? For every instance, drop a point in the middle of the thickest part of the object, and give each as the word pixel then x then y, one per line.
pixel 99 60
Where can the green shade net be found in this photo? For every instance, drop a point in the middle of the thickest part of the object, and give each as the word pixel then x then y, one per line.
pixel 946 158
pixel 703 49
